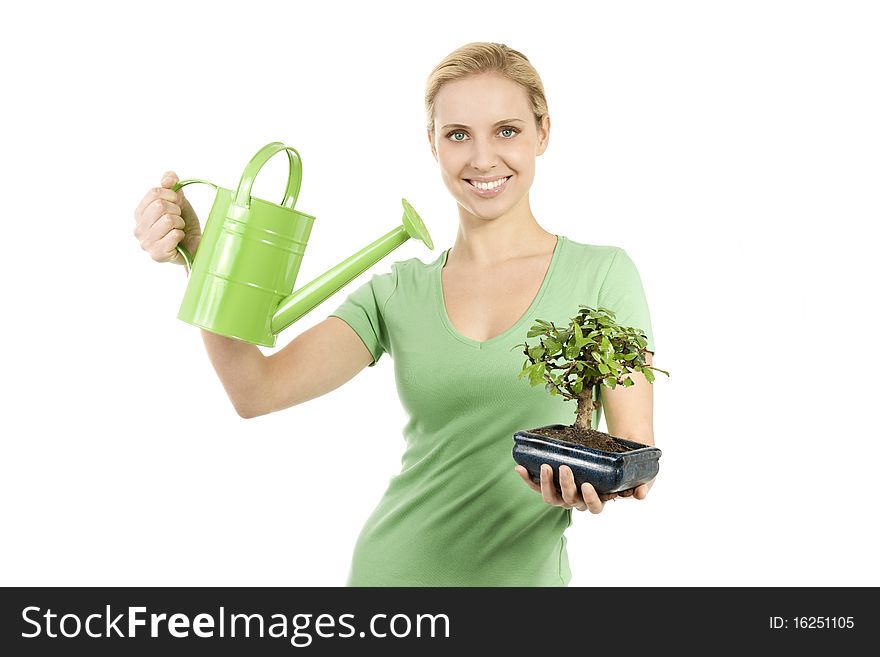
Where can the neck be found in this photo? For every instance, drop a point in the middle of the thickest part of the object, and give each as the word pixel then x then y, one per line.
pixel 487 242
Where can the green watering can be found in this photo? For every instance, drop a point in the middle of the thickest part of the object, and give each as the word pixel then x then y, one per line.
pixel 241 278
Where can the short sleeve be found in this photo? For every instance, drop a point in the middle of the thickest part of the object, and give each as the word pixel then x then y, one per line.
pixel 363 310
pixel 622 292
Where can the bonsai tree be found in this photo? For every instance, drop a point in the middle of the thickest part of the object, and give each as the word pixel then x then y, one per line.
pixel 591 351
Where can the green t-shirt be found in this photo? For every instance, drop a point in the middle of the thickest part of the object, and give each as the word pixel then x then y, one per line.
pixel 458 514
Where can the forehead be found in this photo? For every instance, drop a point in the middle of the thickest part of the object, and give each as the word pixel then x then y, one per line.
pixel 480 99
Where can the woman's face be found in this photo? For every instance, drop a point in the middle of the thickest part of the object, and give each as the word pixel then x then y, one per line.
pixel 484 130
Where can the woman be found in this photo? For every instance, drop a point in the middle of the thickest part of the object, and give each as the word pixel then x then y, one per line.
pixel 457 514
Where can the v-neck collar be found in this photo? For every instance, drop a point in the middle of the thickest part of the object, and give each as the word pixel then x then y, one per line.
pixel 526 316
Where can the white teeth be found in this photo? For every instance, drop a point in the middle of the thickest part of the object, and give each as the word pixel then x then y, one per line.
pixel 489 185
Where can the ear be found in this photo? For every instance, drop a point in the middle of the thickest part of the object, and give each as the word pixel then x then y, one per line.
pixel 431 141
pixel 543 134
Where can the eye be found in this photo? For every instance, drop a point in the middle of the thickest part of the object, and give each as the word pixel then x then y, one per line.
pixel 451 135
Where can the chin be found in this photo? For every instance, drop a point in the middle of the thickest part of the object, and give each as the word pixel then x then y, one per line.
pixel 485 214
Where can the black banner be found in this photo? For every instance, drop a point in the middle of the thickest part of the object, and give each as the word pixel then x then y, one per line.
pixel 338 621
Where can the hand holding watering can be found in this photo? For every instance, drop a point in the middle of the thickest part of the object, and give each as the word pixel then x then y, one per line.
pixel 242 275
pixel 164 219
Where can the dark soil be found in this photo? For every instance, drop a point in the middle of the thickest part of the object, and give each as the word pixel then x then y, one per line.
pixel 590 438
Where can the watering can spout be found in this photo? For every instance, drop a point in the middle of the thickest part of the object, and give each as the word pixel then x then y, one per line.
pixel 327 284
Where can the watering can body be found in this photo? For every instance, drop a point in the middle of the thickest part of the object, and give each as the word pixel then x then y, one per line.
pixel 244 270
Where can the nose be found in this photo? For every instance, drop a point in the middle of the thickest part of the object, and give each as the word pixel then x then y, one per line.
pixel 483 155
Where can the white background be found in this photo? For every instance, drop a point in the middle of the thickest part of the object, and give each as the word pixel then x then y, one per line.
pixel 730 148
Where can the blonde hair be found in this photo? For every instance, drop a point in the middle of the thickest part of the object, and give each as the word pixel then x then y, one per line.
pixel 484 57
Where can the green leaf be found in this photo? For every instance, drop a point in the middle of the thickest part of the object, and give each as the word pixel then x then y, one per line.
pixel 611 382
pixel 627 382
pixel 604 368
pixel 648 374
pixel 537 374
pixel 536 352
pixel 577 386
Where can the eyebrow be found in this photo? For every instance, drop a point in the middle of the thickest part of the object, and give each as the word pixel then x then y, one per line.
pixel 462 125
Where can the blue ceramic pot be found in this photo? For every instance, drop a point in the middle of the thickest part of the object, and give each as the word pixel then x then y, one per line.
pixel 608 472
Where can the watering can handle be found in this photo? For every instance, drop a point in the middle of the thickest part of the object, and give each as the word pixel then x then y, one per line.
pixel 242 201
pixel 181 249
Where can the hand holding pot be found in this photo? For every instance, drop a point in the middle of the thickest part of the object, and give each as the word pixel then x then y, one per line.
pixel 163 219
pixel 587 499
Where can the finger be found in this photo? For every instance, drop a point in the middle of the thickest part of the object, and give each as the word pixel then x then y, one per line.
pixel 548 489
pixel 166 248
pixel 569 488
pixel 160 229
pixel 641 492
pixel 151 213
pixel 157 193
pixel 591 498
pixel 158 211
pixel 169 180
pixel 524 475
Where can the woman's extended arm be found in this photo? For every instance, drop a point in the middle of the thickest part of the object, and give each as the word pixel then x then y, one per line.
pixel 317 361
pixel 629 412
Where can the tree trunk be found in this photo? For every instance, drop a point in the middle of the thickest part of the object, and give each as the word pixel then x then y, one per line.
pixel 586 406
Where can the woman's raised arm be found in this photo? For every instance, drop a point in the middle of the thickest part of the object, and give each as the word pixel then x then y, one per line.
pixel 317 361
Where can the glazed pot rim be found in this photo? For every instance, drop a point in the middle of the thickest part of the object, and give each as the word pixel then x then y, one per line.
pixel 639 451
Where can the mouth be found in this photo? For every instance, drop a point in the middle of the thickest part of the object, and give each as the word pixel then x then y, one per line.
pixel 490 188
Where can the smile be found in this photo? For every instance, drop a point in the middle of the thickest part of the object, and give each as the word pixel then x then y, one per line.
pixel 492 188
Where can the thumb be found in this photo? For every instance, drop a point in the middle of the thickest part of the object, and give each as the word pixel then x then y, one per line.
pixel 169 179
